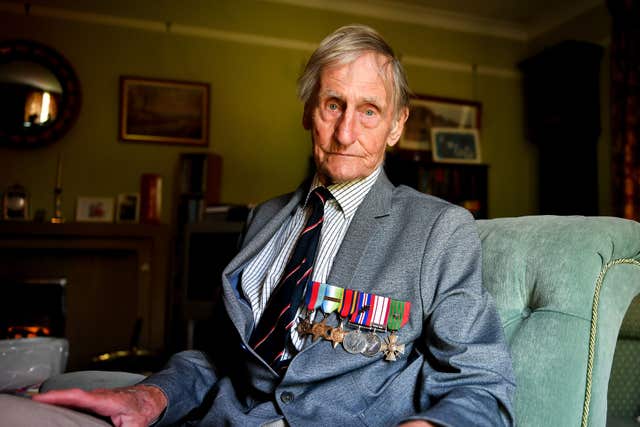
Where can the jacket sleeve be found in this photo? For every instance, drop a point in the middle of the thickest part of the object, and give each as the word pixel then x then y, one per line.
pixel 186 381
pixel 467 373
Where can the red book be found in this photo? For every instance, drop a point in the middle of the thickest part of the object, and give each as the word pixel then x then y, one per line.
pixel 150 198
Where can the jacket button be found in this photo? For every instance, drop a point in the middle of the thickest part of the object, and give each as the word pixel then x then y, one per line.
pixel 286 397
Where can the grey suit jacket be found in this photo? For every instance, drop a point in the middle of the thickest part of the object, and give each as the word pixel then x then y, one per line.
pixel 456 369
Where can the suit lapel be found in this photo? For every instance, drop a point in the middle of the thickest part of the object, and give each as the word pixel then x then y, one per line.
pixel 364 226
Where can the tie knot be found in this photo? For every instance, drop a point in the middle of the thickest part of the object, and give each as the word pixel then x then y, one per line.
pixel 320 195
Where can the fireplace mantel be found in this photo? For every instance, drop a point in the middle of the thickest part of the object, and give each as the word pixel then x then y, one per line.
pixel 116 274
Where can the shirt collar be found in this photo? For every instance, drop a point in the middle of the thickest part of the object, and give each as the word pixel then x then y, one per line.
pixel 348 195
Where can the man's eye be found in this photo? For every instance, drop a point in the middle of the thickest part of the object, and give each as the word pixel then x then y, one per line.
pixel 333 106
pixel 369 113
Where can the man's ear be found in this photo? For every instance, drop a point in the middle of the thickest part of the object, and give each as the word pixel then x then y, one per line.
pixel 398 127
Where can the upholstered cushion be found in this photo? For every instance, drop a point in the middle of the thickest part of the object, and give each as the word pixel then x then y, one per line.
pixel 630 328
pixel 624 385
pixel 621 422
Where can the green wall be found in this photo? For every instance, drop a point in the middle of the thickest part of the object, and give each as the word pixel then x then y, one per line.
pixel 255 119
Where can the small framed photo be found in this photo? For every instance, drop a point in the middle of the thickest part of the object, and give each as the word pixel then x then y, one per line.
pixel 454 145
pixel 94 209
pixel 427 112
pixel 128 208
pixel 164 111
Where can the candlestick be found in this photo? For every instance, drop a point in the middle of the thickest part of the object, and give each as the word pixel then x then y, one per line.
pixel 59 172
pixel 57 195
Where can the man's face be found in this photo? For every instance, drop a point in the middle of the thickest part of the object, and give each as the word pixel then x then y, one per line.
pixel 353 120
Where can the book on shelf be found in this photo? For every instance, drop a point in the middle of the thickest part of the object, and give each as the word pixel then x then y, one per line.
pixel 201 173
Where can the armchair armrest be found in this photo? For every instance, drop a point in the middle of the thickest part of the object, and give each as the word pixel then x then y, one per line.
pixel 90 380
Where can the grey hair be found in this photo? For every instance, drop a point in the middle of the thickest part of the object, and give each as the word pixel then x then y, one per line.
pixel 343 46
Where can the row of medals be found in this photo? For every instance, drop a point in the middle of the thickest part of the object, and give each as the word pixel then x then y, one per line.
pixel 353 341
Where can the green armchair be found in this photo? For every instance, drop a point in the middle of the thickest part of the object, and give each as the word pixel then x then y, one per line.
pixel 562 286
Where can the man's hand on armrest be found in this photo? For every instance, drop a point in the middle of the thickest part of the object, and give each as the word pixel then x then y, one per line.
pixel 135 406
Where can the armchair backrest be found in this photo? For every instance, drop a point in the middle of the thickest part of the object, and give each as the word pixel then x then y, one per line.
pixel 562 286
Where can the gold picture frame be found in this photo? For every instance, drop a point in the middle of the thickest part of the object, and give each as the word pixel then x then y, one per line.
pixel 427 112
pixel 164 111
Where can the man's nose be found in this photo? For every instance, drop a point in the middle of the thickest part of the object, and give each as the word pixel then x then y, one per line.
pixel 346 130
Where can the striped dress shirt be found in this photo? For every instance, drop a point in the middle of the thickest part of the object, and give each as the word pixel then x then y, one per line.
pixel 262 274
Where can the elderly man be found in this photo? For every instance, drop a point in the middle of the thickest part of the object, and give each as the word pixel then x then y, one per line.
pixel 351 302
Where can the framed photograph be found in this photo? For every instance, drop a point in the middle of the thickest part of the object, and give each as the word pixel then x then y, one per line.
pixel 427 112
pixel 128 208
pixel 164 111
pixel 454 145
pixel 94 209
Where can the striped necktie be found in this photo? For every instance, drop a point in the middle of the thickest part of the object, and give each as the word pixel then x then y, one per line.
pixel 270 336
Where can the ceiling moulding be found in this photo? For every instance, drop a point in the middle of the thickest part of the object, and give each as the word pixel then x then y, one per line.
pixel 550 20
pixel 233 36
pixel 419 15
pixel 481 70
pixel 389 10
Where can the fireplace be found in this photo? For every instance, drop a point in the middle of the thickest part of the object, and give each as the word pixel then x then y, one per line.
pixel 32 307
pixel 116 273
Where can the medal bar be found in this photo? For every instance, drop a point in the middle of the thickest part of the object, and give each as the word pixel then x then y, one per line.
pixel 363 311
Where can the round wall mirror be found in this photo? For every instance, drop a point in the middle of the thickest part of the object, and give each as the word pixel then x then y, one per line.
pixel 40 94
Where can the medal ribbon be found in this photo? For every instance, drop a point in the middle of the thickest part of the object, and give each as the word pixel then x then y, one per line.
pixel 380 312
pixel 315 295
pixel 332 299
pixel 348 303
pixel 360 308
pixel 398 314
pixel 362 314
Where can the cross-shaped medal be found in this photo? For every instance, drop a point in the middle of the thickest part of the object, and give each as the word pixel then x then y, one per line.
pixel 391 348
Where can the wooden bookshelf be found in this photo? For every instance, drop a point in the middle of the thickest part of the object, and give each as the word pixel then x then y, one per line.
pixel 462 184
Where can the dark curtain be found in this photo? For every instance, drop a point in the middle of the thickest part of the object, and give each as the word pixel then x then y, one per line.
pixel 625 104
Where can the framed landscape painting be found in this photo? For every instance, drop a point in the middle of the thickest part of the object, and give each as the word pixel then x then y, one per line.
pixel 164 111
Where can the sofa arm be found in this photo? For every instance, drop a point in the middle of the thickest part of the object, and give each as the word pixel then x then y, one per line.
pixel 90 380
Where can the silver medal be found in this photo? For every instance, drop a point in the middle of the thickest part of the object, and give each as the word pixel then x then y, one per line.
pixel 354 342
pixel 373 343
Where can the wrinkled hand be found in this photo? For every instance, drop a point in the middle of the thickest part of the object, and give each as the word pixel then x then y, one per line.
pixel 135 406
